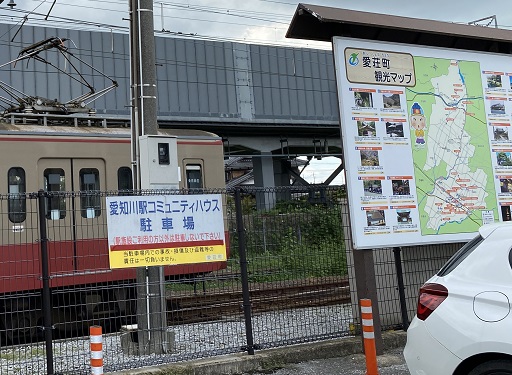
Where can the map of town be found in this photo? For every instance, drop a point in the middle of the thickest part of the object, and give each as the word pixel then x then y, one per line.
pixel 450 146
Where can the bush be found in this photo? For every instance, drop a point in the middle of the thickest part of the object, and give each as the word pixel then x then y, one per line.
pixel 299 239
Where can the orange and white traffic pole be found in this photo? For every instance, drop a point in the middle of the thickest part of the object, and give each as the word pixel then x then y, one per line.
pixel 96 339
pixel 370 351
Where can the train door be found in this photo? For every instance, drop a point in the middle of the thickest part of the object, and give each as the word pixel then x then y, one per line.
pixel 90 217
pixel 74 221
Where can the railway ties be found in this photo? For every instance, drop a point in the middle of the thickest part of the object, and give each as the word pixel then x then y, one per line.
pixel 183 309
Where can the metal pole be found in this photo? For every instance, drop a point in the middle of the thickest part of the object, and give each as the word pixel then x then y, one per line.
pixel 142 303
pixel 46 296
pixel 133 101
pixel 243 269
pixel 401 287
pixel 366 285
pixel 147 68
pixel 143 71
pixel 150 126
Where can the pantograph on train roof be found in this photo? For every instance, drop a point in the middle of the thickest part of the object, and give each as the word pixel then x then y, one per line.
pixel 17 101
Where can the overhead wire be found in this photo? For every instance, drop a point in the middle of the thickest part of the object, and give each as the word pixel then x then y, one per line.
pixel 198 37
pixel 88 25
pixel 269 17
pixel 246 14
pixel 215 44
pixel 66 20
pixel 178 63
pixel 211 9
pixel 186 65
pixel 91 26
pixel 25 18
pixel 229 13
pixel 278 2
pixel 161 62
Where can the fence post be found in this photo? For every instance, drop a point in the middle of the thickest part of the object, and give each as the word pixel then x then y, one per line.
pixel 45 275
pixel 96 350
pixel 369 337
pixel 243 270
pixel 401 287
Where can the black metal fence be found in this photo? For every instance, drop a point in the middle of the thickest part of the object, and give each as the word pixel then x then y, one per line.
pixel 289 278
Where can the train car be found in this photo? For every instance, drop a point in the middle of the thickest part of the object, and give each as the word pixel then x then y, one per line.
pixel 82 159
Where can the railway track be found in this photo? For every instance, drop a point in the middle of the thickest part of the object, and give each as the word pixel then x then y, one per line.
pixel 224 305
pixel 208 306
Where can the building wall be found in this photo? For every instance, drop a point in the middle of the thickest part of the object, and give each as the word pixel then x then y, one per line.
pixel 293 83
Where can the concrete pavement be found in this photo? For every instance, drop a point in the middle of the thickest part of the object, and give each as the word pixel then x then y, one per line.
pixel 392 362
pixel 340 356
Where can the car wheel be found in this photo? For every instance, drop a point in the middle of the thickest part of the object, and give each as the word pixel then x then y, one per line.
pixel 494 367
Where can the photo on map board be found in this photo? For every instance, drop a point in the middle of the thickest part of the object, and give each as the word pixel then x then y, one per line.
pixel 366 129
pixel 400 187
pixel 504 159
pixel 403 216
pixel 372 187
pixel 391 101
pixel 363 99
pixel 505 213
pixel 395 129
pixel 498 107
pixel 493 80
pixel 369 158
pixel 501 133
pixel 506 185
pixel 375 218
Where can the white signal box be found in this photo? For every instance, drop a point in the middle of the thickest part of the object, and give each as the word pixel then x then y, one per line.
pixel 159 167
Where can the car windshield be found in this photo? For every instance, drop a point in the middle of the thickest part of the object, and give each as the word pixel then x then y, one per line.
pixel 460 255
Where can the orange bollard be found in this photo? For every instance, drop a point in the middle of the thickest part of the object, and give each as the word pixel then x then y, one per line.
pixel 369 337
pixel 96 350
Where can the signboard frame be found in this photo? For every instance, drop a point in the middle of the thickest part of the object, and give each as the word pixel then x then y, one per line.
pixel 363 130
pixel 157 230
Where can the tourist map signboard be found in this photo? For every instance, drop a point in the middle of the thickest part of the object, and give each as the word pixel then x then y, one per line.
pixel 427 141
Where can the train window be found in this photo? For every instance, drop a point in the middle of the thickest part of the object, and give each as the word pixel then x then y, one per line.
pixel 90 202
pixel 124 181
pixel 17 204
pixel 194 176
pixel 55 181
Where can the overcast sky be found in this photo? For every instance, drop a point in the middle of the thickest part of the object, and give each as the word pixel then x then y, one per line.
pixel 255 21
pixel 250 21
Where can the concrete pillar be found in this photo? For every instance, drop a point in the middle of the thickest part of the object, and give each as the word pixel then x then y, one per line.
pixel 281 172
pixel 263 168
pixel 282 177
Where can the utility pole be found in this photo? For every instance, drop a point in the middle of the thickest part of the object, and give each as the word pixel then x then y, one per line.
pixel 151 319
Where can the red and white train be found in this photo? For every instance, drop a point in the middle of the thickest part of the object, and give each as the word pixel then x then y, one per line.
pixel 77 159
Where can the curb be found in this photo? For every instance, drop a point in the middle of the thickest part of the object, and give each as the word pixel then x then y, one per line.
pixel 269 359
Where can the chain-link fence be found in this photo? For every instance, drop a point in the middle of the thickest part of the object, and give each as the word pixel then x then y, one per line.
pixel 288 278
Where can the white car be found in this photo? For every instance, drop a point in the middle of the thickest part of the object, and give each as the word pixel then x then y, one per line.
pixel 463 324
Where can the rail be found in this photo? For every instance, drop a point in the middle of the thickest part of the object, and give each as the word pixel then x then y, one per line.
pixel 184 309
